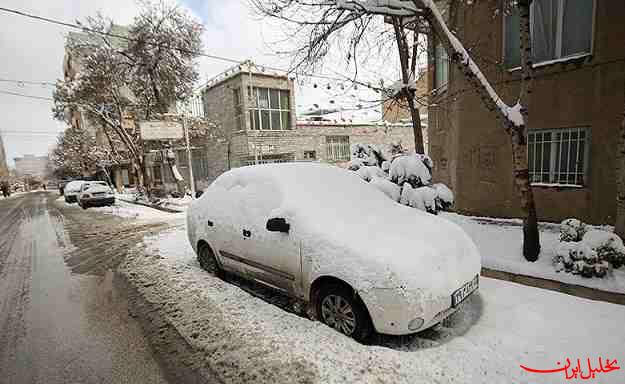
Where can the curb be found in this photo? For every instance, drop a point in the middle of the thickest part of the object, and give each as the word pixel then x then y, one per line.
pixel 557 286
pixel 168 210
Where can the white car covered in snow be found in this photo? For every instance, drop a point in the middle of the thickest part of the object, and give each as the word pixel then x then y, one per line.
pixel 326 237
pixel 95 194
pixel 72 189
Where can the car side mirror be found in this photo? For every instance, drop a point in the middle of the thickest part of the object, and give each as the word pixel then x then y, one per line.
pixel 278 224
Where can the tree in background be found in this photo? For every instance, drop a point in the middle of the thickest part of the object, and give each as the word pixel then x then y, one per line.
pixel 142 70
pixel 326 26
pixel 76 154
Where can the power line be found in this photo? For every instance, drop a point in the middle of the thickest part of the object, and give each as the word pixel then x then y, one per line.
pixel 118 36
pixel 27 96
pixel 22 82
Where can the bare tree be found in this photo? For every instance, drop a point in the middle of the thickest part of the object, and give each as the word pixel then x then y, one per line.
pixel 321 27
pixel 337 15
pixel 141 70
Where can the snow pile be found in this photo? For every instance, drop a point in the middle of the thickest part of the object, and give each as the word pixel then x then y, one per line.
pixel 406 178
pixel 135 212
pixel 587 252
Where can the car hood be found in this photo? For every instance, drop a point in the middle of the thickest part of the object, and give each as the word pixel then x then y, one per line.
pixel 400 248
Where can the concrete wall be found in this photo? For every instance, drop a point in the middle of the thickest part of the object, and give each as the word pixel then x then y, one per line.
pixel 472 152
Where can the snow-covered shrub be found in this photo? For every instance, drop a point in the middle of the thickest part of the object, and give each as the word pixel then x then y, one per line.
pixel 391 189
pixel 355 164
pixel 444 196
pixel 369 172
pixel 368 153
pixel 410 169
pixel 572 230
pixel 386 166
pixel 423 198
pixel 580 259
pixel 609 246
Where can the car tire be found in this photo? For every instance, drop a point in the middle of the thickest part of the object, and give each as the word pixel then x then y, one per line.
pixel 334 301
pixel 207 259
pixel 84 206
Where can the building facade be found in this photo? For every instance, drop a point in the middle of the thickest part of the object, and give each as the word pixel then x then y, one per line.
pixel 256 123
pixel 31 165
pixel 575 109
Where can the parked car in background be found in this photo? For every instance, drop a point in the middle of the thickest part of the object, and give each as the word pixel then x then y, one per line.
pixel 71 191
pixel 95 194
pixel 361 261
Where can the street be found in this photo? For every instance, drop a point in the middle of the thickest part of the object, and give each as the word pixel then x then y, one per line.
pixel 59 326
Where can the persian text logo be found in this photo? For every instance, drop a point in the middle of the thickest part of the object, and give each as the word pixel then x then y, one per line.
pixel 580 370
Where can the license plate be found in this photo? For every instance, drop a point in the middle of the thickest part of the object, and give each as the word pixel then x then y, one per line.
pixel 465 291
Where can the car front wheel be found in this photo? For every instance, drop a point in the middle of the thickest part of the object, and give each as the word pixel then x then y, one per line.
pixel 207 259
pixel 339 308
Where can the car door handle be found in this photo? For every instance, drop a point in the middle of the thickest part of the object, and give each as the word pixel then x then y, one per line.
pixel 247 233
pixel 210 223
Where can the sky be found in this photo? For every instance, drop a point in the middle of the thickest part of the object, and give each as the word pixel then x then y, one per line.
pixel 33 51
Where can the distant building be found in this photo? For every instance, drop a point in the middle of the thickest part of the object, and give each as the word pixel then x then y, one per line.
pixel 254 109
pixel 30 165
pixel 4 169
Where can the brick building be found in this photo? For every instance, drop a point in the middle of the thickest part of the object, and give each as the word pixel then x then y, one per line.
pixel 575 109
pixel 256 118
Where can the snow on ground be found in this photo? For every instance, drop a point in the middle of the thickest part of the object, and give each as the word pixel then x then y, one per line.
pixel 247 340
pixel 130 211
pixel 501 243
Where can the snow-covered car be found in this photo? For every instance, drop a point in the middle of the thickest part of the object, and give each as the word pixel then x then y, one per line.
pixel 95 194
pixel 71 191
pixel 324 236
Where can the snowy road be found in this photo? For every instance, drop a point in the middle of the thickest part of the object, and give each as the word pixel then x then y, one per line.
pixel 55 326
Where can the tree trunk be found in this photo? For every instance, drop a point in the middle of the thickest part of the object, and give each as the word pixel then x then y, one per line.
pixel 619 226
pixel 513 124
pixel 407 92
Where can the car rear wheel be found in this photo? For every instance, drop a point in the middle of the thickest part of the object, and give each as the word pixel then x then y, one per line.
pixel 207 259
pixel 339 308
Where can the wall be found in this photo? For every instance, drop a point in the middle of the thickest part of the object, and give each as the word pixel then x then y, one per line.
pixel 472 152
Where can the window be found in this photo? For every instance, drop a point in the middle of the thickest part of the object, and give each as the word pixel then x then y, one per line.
pixel 238 108
pixel 441 70
pixel 558 28
pixel 271 109
pixel 558 156
pixel 285 158
pixel 310 155
pixel 337 148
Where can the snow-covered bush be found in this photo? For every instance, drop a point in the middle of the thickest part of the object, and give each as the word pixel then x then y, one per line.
pixel 587 252
pixel 423 198
pixel 391 189
pixel 444 196
pixel 410 169
pixel 609 246
pixel 369 154
pixel 580 259
pixel 406 178
pixel 369 172
pixel 572 230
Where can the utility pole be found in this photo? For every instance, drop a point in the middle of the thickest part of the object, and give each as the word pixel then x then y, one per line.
pixel 189 160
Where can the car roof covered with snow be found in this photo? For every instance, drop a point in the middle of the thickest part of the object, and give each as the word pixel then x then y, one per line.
pixel 74 185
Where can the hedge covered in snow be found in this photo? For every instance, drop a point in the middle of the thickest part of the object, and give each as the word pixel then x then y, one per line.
pixel 587 252
pixel 403 177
